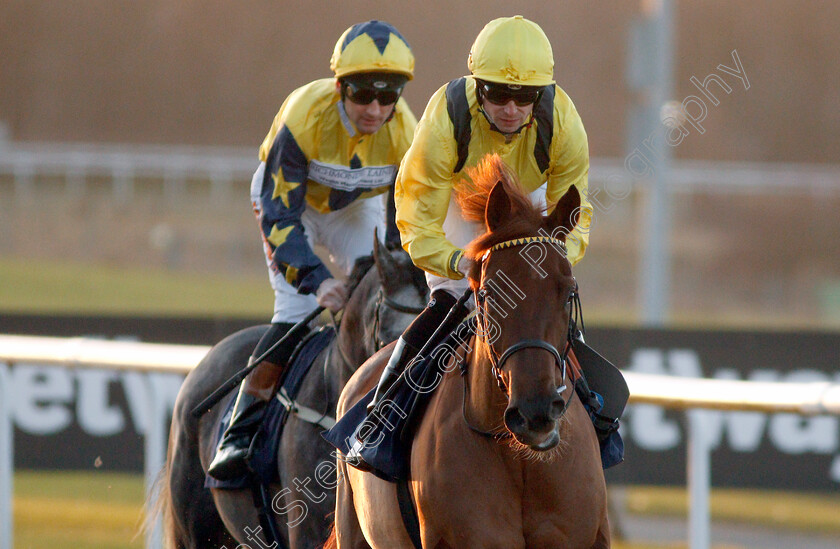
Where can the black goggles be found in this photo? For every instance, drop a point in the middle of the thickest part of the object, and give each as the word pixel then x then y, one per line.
pixel 500 94
pixel 365 94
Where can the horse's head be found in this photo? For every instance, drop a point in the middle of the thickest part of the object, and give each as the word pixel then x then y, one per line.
pixel 524 285
pixel 385 299
pixel 402 296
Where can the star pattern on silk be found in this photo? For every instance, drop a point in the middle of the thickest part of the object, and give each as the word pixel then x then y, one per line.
pixel 282 188
pixel 278 236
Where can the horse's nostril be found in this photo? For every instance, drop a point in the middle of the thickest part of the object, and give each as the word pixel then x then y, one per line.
pixel 514 420
pixel 557 406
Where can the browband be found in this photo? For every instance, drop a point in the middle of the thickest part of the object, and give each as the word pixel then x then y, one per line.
pixel 526 240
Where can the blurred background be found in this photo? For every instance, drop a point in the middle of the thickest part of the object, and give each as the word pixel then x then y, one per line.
pixel 129 134
pixel 130 130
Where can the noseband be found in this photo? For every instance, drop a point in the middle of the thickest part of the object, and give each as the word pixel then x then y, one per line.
pixel 559 360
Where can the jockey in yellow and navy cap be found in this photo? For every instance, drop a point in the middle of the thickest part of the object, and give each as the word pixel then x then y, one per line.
pixel 332 151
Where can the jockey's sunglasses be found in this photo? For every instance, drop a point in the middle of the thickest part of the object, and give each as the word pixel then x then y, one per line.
pixel 501 94
pixel 364 94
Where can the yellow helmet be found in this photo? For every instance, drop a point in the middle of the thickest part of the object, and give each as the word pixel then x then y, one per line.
pixel 374 46
pixel 514 51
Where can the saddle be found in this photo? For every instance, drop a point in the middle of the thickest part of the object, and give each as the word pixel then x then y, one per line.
pixel 383 438
pixel 265 446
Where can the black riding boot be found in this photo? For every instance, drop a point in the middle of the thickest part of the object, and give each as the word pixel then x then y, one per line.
pixel 231 459
pixel 256 390
pixel 413 339
pixel 402 355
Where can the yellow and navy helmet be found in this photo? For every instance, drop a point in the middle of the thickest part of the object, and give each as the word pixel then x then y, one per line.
pixel 374 46
pixel 513 51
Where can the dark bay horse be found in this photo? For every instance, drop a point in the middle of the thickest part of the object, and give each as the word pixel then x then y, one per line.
pixel 506 455
pixel 381 306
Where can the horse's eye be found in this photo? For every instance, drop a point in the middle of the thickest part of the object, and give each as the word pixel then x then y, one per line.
pixel 569 295
pixel 564 291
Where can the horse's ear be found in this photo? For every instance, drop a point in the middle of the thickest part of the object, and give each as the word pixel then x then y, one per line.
pixel 567 211
pixel 385 264
pixel 498 207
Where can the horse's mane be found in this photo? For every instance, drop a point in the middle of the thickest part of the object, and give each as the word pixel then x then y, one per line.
pixel 472 196
pixel 360 268
pixel 365 263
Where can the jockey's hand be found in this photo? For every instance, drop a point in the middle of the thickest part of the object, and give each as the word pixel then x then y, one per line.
pixel 464 265
pixel 332 294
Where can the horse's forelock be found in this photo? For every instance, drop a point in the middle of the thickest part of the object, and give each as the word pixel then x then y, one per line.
pixel 472 196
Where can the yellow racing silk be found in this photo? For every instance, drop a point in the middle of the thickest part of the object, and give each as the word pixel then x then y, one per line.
pixel 453 135
pixel 313 155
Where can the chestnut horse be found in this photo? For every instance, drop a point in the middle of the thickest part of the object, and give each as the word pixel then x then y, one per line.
pixel 385 300
pixel 506 455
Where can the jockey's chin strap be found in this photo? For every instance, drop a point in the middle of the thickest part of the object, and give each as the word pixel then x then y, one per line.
pixel 493 126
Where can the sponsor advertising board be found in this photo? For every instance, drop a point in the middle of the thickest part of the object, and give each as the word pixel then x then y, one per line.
pixel 83 419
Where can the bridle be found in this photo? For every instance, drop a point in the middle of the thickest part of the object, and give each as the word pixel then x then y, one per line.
pixel 498 360
pixel 383 300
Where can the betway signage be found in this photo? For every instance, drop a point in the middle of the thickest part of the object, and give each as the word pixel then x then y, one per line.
pixel 749 449
pixel 84 418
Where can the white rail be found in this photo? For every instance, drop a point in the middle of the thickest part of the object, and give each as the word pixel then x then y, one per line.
pixel 690 394
pixel 226 166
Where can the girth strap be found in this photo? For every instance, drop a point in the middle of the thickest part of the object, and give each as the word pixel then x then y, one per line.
pixel 261 498
pixel 409 513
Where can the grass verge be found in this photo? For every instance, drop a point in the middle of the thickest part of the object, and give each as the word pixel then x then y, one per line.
pixel 50 287
pixel 787 510
pixel 67 287
pixel 78 509
pixel 87 510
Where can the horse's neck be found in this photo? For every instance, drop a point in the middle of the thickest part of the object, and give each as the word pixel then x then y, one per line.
pixel 352 338
pixel 485 404
pixel 353 344
pixel 350 350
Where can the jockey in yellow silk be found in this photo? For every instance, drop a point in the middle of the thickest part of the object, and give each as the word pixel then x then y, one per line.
pixel 326 168
pixel 509 105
